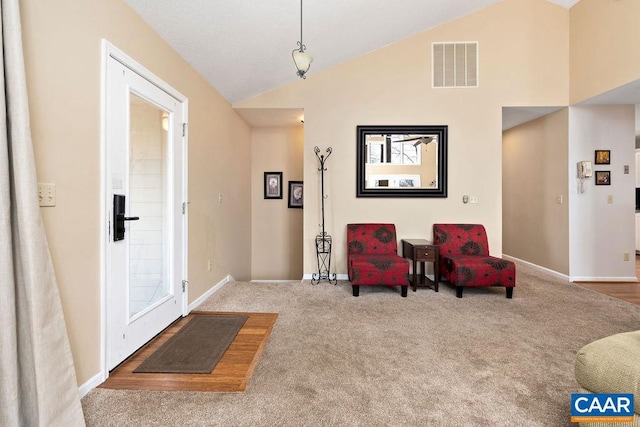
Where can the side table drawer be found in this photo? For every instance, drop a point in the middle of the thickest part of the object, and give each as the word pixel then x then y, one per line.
pixel 425 254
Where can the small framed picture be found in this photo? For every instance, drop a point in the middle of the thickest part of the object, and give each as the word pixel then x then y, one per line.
pixel 603 177
pixel 603 157
pixel 295 194
pixel 273 185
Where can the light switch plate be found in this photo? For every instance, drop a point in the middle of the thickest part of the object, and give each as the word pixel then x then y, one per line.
pixel 46 194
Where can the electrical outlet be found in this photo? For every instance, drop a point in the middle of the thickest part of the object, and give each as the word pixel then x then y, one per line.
pixel 46 194
pixel 559 199
pixel 625 256
pixel 219 197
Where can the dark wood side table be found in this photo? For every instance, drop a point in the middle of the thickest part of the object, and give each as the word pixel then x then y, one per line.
pixel 421 251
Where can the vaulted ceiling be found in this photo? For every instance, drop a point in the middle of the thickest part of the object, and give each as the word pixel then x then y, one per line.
pixel 243 48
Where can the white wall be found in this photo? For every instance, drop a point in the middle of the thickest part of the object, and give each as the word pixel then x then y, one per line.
pixel 601 232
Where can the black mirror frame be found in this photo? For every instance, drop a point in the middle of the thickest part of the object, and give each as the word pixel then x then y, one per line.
pixel 362 191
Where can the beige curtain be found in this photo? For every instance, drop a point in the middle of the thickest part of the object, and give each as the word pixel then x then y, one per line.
pixel 37 379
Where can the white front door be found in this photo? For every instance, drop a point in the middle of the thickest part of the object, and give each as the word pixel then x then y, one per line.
pixel 145 202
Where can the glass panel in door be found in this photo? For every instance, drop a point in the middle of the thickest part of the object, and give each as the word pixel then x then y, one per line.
pixel 148 269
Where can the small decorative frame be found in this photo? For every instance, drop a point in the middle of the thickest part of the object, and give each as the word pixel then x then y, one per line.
pixel 295 194
pixel 273 185
pixel 603 157
pixel 603 177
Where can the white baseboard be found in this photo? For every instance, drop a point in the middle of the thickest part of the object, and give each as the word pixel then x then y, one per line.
pixel 210 292
pixel 93 382
pixel 536 267
pixel 571 278
pixel 602 279
pixel 309 276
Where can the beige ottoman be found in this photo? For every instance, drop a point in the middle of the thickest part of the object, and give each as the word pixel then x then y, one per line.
pixel 611 365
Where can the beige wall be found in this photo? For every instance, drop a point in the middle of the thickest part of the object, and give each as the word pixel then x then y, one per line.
pixel 535 160
pixel 529 67
pixel 62 42
pixel 604 46
pixel 276 249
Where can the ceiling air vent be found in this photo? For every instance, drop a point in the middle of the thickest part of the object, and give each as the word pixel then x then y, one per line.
pixel 455 64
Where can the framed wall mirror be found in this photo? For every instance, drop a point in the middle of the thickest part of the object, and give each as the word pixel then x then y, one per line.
pixel 401 161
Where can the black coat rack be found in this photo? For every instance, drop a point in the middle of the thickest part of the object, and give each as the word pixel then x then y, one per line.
pixel 323 240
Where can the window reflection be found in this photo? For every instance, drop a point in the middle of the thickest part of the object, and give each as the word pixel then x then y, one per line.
pixel 396 160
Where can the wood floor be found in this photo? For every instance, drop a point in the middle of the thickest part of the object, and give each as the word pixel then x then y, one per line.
pixel 627 291
pixel 231 374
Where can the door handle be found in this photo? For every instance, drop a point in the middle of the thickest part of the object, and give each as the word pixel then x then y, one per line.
pixel 119 218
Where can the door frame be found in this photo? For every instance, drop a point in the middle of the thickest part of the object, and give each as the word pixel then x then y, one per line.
pixel 110 51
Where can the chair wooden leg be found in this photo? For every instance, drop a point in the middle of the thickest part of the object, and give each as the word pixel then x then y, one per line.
pixel 356 290
pixel 403 291
pixel 509 293
pixel 459 291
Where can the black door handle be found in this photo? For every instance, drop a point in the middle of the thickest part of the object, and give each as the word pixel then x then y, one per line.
pixel 119 218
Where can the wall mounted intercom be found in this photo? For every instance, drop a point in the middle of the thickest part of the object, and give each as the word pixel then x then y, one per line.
pixel 585 169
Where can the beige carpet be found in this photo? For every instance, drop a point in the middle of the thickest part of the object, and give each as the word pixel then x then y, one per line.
pixel 383 360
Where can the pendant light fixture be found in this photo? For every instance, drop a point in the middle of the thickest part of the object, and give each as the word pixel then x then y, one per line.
pixel 301 58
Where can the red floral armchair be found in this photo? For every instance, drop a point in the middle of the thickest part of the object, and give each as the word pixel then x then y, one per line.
pixel 372 257
pixel 465 259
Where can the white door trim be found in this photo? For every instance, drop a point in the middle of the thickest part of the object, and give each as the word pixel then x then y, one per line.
pixel 110 51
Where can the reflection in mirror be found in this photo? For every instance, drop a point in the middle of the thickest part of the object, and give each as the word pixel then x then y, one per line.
pixel 402 161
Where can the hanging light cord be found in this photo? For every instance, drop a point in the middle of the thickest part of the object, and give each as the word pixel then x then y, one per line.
pixel 302 46
pixel 300 58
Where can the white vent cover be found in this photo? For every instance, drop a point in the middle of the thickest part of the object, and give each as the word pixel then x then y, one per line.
pixel 455 64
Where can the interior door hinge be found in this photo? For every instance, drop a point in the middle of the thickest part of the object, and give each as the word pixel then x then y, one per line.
pixel 184 129
pixel 184 285
pixel 184 207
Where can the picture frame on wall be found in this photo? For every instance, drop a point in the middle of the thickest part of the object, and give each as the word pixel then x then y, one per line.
pixel 603 157
pixel 273 185
pixel 296 194
pixel 603 177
